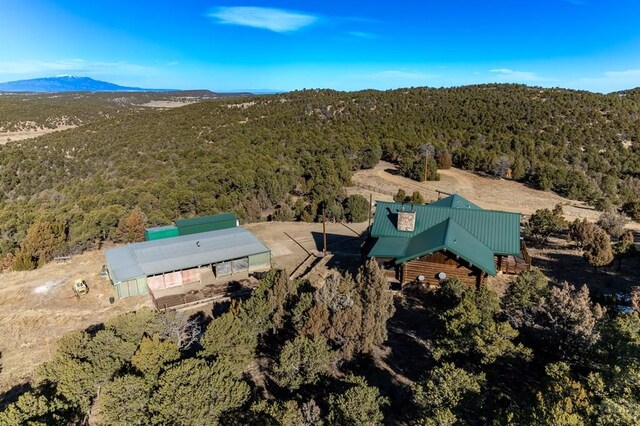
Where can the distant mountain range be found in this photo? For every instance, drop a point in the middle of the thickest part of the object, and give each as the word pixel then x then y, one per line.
pixel 68 83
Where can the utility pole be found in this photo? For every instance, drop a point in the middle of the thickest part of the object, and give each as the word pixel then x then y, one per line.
pixel 370 206
pixel 324 234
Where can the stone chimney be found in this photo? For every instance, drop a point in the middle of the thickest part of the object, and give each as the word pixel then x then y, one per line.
pixel 407 220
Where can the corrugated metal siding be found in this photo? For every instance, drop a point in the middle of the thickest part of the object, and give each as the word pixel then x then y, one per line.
pixel 260 259
pixel 142 286
pixel 130 288
pixel 222 217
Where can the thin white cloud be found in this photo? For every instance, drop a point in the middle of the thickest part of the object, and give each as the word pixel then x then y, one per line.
pixel 276 20
pixel 506 74
pixel 362 34
pixel 634 73
pixel 71 66
pixel 610 81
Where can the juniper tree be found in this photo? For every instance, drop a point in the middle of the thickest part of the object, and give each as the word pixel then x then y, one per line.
pixel 124 401
pixel 582 232
pixel 302 361
pixel 153 355
pixel 599 251
pixel 229 337
pixel 131 227
pixel 360 404
pixel 441 396
pixel 196 392
pixel 564 400
pixel 470 326
pixel 613 222
pixel 543 223
pixel 357 208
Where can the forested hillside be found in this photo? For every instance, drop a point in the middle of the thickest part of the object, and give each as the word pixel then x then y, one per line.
pixel 292 154
pixel 24 111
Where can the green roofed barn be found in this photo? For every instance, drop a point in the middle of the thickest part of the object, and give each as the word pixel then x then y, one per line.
pixel 214 222
pixel 451 237
pixel 160 232
pixel 178 265
pixel 192 226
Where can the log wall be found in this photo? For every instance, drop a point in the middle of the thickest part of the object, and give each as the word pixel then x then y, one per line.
pixel 429 266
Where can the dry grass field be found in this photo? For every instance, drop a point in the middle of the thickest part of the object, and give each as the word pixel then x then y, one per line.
pixel 6 137
pixel 487 192
pixel 37 307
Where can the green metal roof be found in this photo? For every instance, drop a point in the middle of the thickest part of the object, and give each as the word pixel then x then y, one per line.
pixel 455 239
pixel 499 231
pixel 447 235
pixel 388 247
pixel 455 202
pixel 222 217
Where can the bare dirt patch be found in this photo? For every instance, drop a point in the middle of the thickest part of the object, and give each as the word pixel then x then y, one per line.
pixel 38 307
pixel 169 104
pixel 487 192
pixel 30 133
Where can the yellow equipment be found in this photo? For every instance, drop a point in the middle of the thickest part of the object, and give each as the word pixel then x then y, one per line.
pixel 80 287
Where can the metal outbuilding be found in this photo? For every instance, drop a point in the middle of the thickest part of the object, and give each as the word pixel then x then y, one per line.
pixel 171 262
pixel 199 224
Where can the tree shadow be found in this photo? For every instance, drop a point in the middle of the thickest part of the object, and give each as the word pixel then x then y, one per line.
pixel 13 394
pixel 346 251
pixel 394 172
pixel 410 338
pixel 564 266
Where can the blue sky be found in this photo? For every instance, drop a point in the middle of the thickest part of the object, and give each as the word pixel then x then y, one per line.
pixel 345 45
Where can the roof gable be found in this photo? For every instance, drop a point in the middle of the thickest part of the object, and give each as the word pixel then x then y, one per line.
pixel 446 235
pixel 455 201
pixel 499 231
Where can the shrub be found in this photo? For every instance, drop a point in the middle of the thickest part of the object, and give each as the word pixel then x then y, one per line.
pixel 543 223
pixel 417 198
pixel 612 222
pixel 582 232
pixel 599 252
pixel 400 196
pixel 357 208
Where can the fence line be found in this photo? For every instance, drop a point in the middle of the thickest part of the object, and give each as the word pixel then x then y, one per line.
pixel 375 189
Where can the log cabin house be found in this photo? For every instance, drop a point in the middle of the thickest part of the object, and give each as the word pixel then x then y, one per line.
pixel 451 237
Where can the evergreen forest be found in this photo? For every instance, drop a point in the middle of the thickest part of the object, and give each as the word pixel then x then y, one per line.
pixel 289 156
